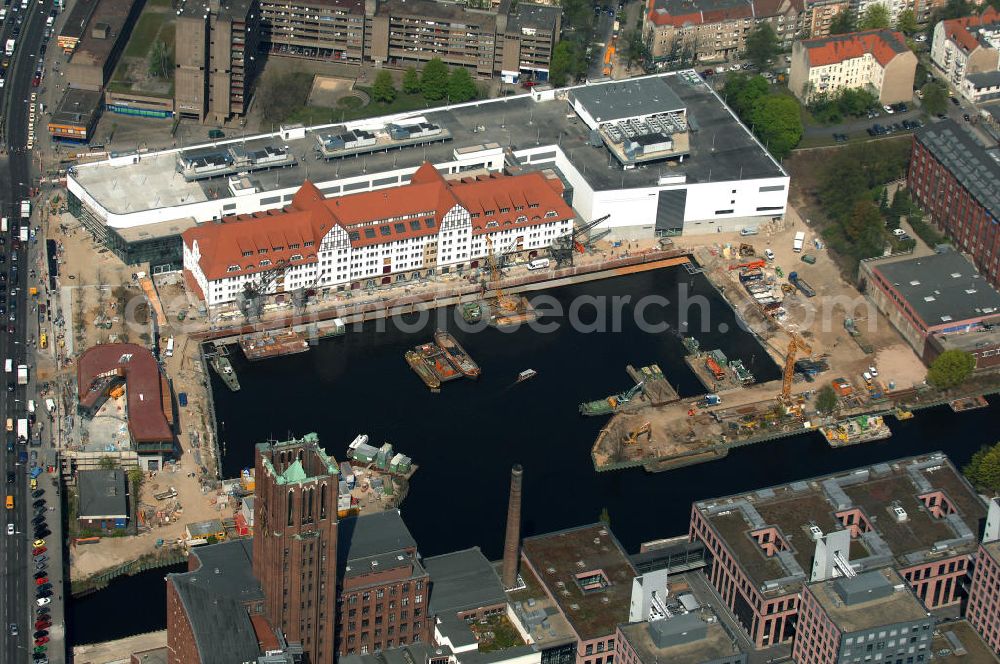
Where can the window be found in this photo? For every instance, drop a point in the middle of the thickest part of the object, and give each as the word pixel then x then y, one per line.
pixel 296 257
pixel 370 233
pixel 265 263
pixel 247 253
pixel 385 230
pixel 233 268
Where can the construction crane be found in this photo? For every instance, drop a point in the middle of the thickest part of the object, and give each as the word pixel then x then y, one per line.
pixel 494 261
pixel 633 435
pixel 249 300
pixel 796 344
pixel 563 247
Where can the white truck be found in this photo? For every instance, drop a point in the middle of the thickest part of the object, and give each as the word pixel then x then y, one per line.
pixel 23 234
pixel 9 50
pixel 22 430
pixel 800 239
pixel 22 374
pixel 3 224
pixel 25 209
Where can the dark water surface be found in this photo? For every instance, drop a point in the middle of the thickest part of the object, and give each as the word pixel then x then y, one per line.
pixel 466 438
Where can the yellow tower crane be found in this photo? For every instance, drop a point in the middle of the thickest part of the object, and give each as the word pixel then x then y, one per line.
pixel 796 344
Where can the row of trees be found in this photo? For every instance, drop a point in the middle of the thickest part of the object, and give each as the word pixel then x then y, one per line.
pixel 983 470
pixel 776 119
pixel 875 17
pixel 434 82
pixel 569 57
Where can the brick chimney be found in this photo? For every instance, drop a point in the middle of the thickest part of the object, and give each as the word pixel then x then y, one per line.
pixel 512 544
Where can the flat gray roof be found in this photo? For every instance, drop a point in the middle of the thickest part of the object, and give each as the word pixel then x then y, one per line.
pixel 77 107
pixel 975 167
pixel 720 149
pixel 716 645
pixel 102 493
pixel 463 580
pixel 985 79
pixel 375 534
pixel 896 604
pixel 942 288
pixel 619 100
pixel 214 596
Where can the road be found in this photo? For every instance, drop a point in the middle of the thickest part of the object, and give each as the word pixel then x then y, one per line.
pixel 603 32
pixel 17 606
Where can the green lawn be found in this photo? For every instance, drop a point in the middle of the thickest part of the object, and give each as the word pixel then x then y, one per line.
pixel 144 34
pixel 318 114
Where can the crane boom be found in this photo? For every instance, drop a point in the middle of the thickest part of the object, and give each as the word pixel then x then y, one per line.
pixel 795 345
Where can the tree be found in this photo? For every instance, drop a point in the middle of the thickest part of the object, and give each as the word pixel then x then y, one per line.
pixel 434 80
pixel 383 89
pixel 281 94
pixel 742 92
pixel 983 470
pixel 107 463
pixel 906 22
pixel 935 98
pixel 950 369
pixel 876 17
pixel 842 23
pixel 762 45
pixel 561 67
pixel 777 120
pixel 461 87
pixel 635 48
pixel 411 81
pixel 826 399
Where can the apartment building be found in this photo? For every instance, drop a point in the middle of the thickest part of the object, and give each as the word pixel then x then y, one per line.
pixel 820 16
pixel 875 60
pixel 953 178
pixel 715 30
pixel 216 58
pixel 314 29
pixel 916 515
pixel 966 46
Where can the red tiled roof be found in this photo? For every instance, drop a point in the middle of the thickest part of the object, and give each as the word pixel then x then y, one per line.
pixel 424 201
pixel 956 29
pixel 680 13
pixel 146 420
pixel 884 45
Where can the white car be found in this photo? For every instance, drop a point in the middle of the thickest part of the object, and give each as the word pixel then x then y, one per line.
pixel 888 109
pixel 872 370
pixel 42 601
pixel 2 81
pixel 10 528
pixel 768 254
pixel 898 232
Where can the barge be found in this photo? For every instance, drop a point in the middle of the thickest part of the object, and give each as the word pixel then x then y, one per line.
pixel 416 362
pixel 861 429
pixel 456 354
pixel 273 344
pixel 224 368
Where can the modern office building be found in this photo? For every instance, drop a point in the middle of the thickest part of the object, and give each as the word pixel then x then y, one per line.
pixel 661 155
pixel 917 515
pixel 588 576
pixel 936 302
pixel 216 58
pixel 983 611
pixel 876 60
pixel 331 30
pixel 873 616
pixel 952 177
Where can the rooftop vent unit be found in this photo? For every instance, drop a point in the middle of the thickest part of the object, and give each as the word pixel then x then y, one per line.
pixel 899 514
pixel 815 532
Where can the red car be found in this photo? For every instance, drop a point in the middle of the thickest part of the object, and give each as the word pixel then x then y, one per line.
pixel 42 641
pixel 43 624
pixel 42 580
pixel 38 550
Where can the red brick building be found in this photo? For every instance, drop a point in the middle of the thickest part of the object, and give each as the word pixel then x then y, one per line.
pixel 295 541
pixel 917 515
pixel 953 178
pixel 383 589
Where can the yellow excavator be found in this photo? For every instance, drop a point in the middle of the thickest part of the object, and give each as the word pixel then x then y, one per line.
pixel 633 435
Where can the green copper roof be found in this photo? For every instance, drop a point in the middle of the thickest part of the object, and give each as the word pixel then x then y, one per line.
pixel 294 472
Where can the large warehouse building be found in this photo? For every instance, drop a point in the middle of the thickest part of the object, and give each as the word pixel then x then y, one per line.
pixel 662 155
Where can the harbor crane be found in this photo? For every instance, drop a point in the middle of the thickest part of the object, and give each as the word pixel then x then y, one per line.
pixel 250 300
pixel 495 261
pixel 796 344
pixel 563 247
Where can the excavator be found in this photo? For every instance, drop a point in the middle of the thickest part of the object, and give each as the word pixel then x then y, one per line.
pixel 796 344
pixel 633 435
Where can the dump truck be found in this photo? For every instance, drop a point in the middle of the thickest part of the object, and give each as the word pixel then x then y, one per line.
pixel 800 283
pixel 164 495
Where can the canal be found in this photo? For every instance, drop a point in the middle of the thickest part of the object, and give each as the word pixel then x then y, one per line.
pixel 466 438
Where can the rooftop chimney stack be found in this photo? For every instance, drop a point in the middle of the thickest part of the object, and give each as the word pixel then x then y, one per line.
pixel 512 545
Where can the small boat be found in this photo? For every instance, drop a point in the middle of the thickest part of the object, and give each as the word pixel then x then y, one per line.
pixel 224 368
pixel 526 374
